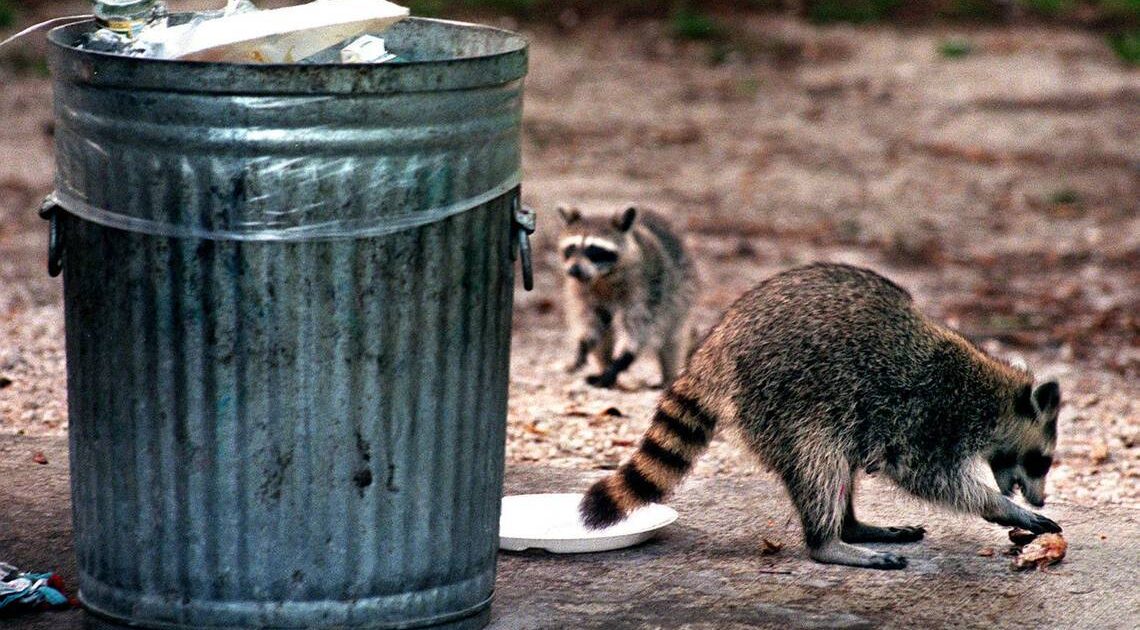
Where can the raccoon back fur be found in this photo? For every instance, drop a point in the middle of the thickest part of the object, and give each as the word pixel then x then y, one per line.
pixel 629 287
pixel 828 370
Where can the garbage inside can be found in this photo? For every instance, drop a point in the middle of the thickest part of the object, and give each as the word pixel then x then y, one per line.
pixel 288 298
pixel 239 33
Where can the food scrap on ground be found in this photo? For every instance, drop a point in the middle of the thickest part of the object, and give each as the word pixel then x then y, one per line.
pixel 1045 550
pixel 1020 536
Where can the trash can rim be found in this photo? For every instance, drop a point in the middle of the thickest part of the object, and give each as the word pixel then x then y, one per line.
pixel 507 63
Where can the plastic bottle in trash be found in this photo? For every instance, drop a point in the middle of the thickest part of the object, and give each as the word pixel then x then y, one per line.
pixel 126 17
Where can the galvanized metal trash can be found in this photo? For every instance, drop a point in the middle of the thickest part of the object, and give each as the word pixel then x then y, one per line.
pixel 288 304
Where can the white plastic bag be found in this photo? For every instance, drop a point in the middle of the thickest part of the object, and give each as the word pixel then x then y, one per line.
pixel 285 35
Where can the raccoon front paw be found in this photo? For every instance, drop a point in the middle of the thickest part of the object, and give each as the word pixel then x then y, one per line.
pixel 1014 516
pixel 604 380
pixel 1039 524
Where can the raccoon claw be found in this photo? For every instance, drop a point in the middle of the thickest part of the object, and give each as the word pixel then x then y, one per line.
pixel 887 561
pixel 1042 525
pixel 837 552
pixel 1025 519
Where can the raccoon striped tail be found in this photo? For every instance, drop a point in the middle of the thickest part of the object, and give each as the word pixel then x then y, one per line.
pixel 679 433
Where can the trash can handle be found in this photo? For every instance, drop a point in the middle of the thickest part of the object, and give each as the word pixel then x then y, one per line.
pixel 524 224
pixel 49 210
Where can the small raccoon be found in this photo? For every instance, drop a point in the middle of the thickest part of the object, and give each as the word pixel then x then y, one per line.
pixel 827 370
pixel 629 286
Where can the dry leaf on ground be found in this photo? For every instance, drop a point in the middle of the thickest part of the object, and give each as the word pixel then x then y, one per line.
pixel 770 547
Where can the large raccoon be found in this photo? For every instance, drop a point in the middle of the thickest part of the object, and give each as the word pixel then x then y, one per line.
pixel 629 285
pixel 828 370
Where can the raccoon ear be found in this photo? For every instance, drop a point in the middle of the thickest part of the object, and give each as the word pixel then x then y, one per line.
pixel 1047 397
pixel 623 220
pixel 569 215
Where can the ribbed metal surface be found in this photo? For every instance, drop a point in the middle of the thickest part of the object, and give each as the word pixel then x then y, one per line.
pixel 301 433
pixel 287 152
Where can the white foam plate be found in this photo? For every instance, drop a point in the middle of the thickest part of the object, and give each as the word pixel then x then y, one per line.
pixel 550 522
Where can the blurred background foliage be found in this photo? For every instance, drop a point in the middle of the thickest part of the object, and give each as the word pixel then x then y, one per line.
pixel 1091 12
pixel 7 13
pixel 709 20
pixel 703 20
pixel 695 14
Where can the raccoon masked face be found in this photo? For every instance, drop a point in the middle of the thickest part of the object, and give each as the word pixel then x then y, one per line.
pixel 1025 461
pixel 591 249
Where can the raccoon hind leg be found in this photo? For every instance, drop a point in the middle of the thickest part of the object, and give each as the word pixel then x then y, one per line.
pixel 855 531
pixel 593 330
pixel 838 552
pixel 670 357
pixel 820 496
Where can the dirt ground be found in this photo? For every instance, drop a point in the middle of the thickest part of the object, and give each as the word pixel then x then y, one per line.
pixel 1001 188
pixel 734 560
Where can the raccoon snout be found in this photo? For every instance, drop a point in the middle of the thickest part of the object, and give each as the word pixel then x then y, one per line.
pixel 579 273
pixel 1033 498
